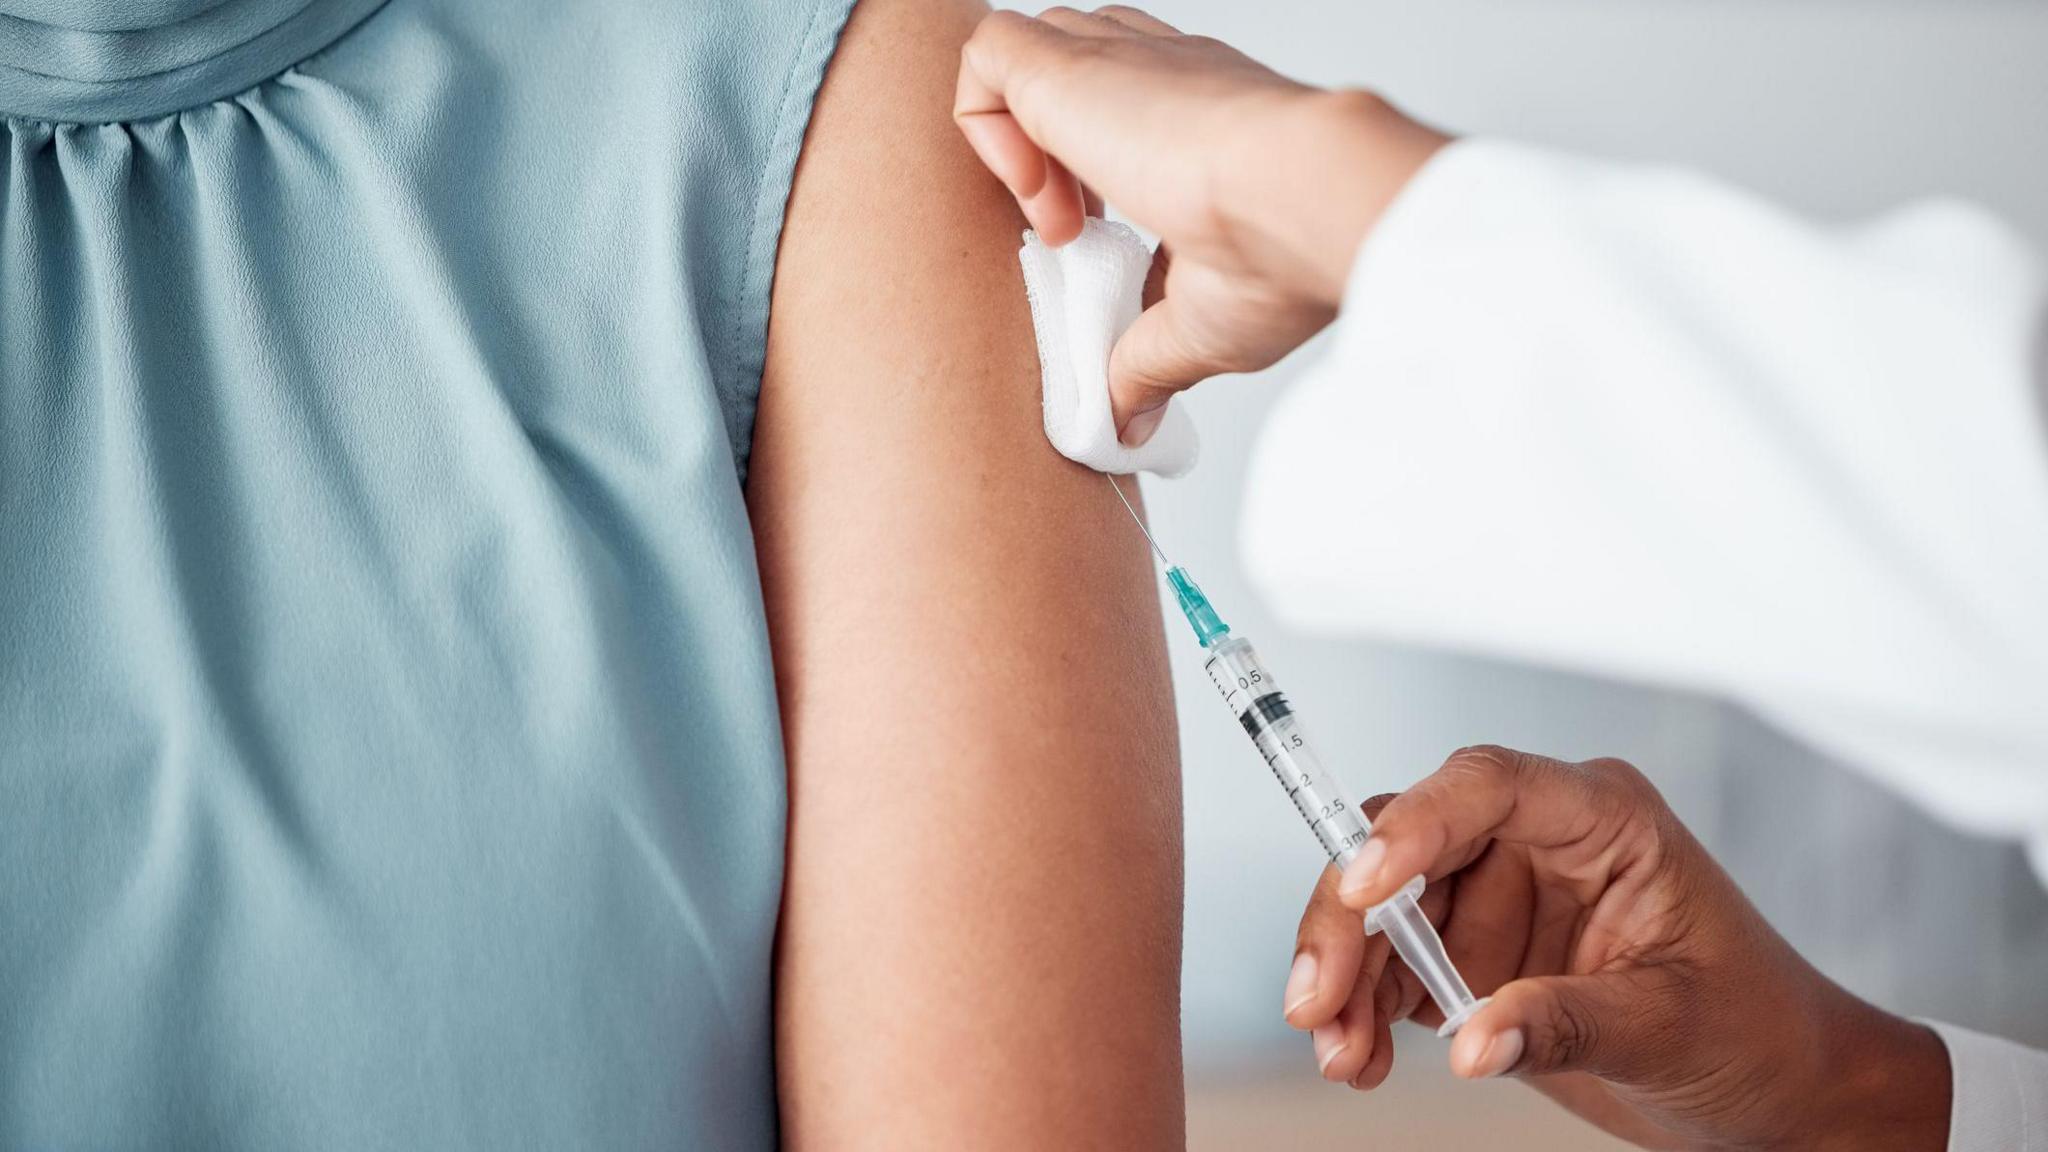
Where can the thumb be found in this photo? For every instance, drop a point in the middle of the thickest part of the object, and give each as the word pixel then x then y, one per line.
pixel 1152 360
pixel 1548 1024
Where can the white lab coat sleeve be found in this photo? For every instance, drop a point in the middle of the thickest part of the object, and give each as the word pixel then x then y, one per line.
pixel 1998 1093
pixel 1630 421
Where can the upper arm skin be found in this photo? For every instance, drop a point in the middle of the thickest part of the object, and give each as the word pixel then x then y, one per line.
pixel 980 943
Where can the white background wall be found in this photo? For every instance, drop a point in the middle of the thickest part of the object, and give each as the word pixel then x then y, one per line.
pixel 1840 109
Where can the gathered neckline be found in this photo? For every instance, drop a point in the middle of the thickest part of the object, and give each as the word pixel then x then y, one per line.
pixel 113 60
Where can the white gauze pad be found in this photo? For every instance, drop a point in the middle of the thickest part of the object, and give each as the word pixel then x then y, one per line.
pixel 1083 296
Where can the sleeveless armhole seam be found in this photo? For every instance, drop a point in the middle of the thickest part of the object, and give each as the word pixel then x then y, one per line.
pixel 748 337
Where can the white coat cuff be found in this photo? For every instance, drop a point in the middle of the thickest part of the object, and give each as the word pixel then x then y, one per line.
pixel 1999 1093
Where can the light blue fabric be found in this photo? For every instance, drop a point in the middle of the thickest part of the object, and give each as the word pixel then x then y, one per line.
pixel 388 749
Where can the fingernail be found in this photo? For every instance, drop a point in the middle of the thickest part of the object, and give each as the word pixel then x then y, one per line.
pixel 1365 867
pixel 1142 424
pixel 1500 1055
pixel 1330 1044
pixel 1301 982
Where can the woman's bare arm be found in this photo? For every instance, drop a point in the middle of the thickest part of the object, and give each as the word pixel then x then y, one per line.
pixel 980 944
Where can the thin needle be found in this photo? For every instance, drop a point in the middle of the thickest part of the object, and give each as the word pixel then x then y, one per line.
pixel 1136 519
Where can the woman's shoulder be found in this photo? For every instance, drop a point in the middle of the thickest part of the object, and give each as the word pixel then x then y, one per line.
pixel 632 41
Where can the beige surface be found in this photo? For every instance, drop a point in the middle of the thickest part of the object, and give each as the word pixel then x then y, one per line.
pixel 1422 1106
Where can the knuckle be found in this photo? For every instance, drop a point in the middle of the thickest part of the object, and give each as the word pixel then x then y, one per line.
pixel 994 36
pixel 1126 15
pixel 1667 844
pixel 1386 997
pixel 1304 933
pixel 1311 915
pixel 1074 20
pixel 1322 904
pixel 1620 774
pixel 1315 937
pixel 1492 755
pixel 1307 934
pixel 1624 791
pixel 1093 47
pixel 1573 1036
pixel 1486 764
pixel 996 24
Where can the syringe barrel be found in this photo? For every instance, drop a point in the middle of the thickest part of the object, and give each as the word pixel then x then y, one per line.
pixel 1256 700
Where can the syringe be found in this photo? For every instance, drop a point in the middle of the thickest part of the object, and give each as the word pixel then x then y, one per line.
pixel 1269 719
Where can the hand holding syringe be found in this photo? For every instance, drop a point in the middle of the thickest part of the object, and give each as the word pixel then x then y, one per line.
pixel 1255 699
pixel 1699 1020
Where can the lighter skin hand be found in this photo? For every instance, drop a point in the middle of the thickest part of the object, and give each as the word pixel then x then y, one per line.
pixel 1259 188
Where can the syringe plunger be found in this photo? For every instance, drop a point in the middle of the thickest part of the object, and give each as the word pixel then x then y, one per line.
pixel 1415 940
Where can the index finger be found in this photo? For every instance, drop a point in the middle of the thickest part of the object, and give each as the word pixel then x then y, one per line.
pixel 999 46
pixel 1004 47
pixel 981 104
pixel 1479 794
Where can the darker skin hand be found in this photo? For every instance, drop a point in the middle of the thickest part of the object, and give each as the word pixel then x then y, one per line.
pixel 1630 978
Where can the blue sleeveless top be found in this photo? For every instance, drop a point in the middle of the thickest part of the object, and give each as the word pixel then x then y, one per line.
pixel 389 755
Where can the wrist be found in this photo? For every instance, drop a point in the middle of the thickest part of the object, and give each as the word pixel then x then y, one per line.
pixel 1883 1085
pixel 1318 173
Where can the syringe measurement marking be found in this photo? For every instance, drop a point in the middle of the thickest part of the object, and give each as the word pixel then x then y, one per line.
pixel 1259 717
pixel 1322 818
